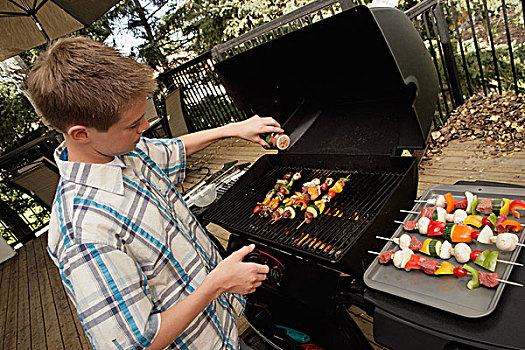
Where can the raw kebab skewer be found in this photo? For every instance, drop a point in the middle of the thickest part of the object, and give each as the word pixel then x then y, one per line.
pixel 461 252
pixel 406 259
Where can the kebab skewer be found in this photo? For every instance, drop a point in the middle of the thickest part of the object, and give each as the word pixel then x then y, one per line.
pixel 310 191
pixel 314 210
pixel 461 252
pixel 473 205
pixel 406 259
pixel 502 222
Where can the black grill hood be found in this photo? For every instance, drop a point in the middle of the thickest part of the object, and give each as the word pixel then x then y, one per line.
pixel 359 82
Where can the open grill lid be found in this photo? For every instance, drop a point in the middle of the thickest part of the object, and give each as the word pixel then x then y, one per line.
pixel 359 82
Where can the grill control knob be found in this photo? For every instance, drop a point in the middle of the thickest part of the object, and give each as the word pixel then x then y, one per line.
pixel 275 274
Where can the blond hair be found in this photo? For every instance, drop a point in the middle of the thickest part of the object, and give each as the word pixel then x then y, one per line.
pixel 79 81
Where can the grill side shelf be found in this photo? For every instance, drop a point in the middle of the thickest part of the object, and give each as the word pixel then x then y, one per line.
pixel 447 293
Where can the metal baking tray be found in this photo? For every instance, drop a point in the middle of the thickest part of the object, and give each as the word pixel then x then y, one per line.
pixel 446 292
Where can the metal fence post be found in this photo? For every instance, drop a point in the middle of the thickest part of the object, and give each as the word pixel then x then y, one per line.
pixel 448 53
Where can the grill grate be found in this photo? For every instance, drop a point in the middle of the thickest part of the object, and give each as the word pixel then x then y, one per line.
pixel 328 236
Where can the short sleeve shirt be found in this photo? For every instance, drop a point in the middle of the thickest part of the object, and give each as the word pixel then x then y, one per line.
pixel 128 248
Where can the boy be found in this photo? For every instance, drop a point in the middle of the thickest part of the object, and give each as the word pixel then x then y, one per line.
pixel 138 266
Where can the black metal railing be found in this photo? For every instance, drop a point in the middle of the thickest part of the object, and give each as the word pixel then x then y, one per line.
pixel 473 46
pixel 22 214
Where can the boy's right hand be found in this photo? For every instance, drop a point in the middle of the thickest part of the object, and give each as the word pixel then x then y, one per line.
pixel 232 275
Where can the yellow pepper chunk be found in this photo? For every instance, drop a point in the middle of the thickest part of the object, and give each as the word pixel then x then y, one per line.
pixel 445 269
pixel 505 208
pixel 321 205
pixel 474 220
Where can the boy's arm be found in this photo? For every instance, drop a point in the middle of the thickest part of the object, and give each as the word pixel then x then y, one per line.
pixel 231 275
pixel 249 129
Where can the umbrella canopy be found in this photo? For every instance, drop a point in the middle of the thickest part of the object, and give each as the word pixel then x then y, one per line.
pixel 25 24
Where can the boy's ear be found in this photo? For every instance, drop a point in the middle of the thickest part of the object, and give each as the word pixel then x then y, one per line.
pixel 79 133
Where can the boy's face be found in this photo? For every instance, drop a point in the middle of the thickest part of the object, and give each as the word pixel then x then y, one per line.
pixel 123 136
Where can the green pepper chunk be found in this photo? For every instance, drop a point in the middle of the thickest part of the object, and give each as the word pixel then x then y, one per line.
pixel 474 205
pixel 480 260
pixel 491 261
pixel 493 218
pixel 487 260
pixel 474 282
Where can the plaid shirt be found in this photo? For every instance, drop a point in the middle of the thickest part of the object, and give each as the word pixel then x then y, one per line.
pixel 128 248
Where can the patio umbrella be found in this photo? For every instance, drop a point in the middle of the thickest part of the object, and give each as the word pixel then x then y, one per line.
pixel 25 24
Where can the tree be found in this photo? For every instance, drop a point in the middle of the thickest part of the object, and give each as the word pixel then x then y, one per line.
pixel 202 24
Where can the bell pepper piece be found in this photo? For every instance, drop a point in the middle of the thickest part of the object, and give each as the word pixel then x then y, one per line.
pixel 457 233
pixel 486 222
pixel 451 202
pixel 513 225
pixel 302 203
pixel 515 205
pixel 413 263
pixel 321 205
pixel 288 201
pixel 265 202
pixel 337 187
pixel 493 219
pixel 474 220
pixel 474 205
pixel 445 269
pixel 474 282
pixel 435 228
pixel 505 208
pixel 487 260
pixel 274 203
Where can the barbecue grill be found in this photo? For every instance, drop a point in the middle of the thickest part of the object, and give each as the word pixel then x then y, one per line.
pixel 352 91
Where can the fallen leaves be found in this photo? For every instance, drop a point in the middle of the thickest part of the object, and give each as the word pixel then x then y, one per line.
pixel 498 121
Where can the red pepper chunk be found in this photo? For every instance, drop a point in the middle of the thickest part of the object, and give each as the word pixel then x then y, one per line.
pixel 451 202
pixel 435 228
pixel 486 222
pixel 413 263
pixel 515 205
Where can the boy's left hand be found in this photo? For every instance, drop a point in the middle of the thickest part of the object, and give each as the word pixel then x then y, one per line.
pixel 250 129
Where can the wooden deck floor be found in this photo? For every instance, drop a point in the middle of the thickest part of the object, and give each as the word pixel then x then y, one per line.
pixel 35 312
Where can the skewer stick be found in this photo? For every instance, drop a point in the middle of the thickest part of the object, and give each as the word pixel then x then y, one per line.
pixel 509 262
pixel 386 239
pixel 371 252
pixel 409 211
pixel 301 224
pixel 509 282
pixel 399 222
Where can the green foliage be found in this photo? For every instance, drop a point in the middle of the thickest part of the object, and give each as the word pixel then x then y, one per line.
pixel 202 24
pixel 18 121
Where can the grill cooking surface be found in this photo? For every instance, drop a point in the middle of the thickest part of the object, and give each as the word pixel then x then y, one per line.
pixel 330 235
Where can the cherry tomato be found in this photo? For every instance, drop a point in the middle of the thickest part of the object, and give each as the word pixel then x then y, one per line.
pixel 460 271
pixel 256 209
pixel 324 186
pixel 475 254
pixel 283 190
pixel 475 234
pixel 485 221
pixel 331 194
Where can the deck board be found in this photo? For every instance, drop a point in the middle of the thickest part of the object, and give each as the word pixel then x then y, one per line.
pixel 38 334
pixel 4 296
pixel 35 312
